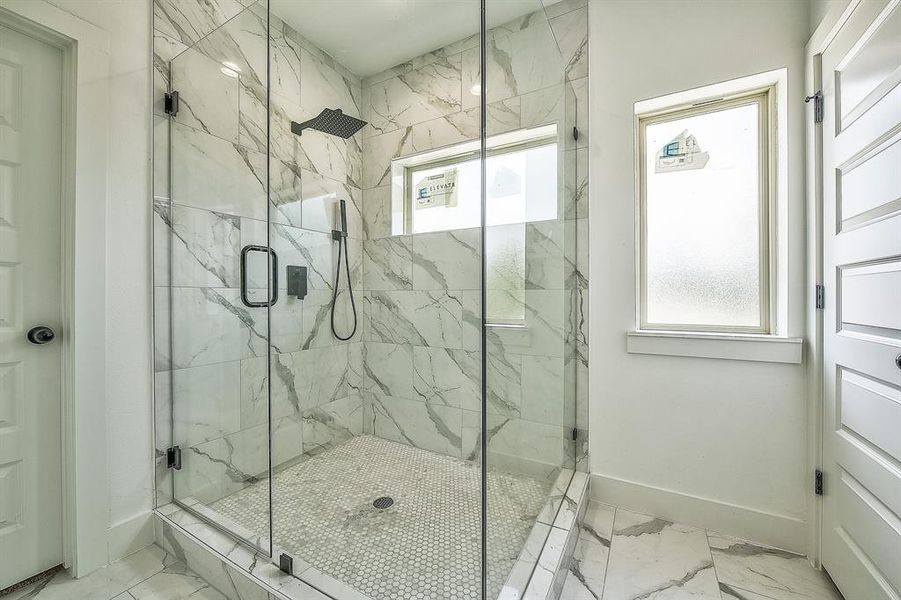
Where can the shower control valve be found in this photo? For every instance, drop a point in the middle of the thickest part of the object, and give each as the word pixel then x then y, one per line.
pixel 297 281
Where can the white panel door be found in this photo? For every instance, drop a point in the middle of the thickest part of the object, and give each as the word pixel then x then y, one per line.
pixel 30 279
pixel 862 265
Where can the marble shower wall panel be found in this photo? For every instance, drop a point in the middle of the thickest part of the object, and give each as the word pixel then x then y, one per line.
pixel 423 315
pixel 188 22
pixel 218 175
pixel 447 260
pixel 210 98
pixel 210 355
pixel 419 317
pixel 418 95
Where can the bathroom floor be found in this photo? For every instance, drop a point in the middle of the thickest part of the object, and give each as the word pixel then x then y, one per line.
pixel 149 574
pixel 622 555
pixel 425 545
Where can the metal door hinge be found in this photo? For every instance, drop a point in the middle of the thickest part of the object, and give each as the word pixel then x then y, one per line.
pixel 173 458
pixel 170 103
pixel 818 482
pixel 576 133
pixel 820 297
pixel 817 106
pixel 575 434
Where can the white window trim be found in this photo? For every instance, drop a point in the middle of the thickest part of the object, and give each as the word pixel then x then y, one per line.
pixel 775 346
pixel 750 347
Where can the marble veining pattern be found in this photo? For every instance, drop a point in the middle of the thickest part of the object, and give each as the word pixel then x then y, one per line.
pixel 418 95
pixel 766 571
pixel 744 571
pixel 426 543
pixel 624 555
pixel 148 574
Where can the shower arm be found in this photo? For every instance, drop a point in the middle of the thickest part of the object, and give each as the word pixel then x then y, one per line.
pixel 297 128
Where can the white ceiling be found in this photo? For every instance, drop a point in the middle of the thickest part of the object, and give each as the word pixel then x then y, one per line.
pixel 369 36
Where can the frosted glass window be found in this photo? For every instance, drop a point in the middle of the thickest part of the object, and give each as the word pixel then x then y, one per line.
pixel 521 188
pixel 704 218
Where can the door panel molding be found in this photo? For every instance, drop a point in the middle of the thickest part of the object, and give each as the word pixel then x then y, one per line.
pixel 861 255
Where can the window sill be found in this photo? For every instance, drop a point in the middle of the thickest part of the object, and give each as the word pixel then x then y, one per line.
pixel 756 348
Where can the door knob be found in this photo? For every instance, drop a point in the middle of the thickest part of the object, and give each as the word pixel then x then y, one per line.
pixel 40 335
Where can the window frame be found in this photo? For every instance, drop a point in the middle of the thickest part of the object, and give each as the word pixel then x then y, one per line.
pixel 463 156
pixel 765 99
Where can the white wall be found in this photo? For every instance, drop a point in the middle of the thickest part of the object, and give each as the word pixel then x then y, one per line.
pixel 128 293
pixel 818 9
pixel 720 443
pixel 113 425
pixel 129 420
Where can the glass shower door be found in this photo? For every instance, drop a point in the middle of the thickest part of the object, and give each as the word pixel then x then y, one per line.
pixel 529 260
pixel 221 272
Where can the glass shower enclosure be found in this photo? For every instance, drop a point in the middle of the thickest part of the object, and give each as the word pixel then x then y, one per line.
pixel 366 280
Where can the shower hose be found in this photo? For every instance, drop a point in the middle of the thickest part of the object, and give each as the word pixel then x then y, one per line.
pixel 342 242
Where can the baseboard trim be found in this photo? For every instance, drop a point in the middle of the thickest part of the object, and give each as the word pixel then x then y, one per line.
pixel 780 531
pixel 128 536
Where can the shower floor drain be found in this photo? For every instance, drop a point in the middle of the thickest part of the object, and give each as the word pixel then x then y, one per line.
pixel 383 502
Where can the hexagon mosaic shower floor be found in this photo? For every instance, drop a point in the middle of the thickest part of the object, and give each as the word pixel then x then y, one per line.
pixel 426 545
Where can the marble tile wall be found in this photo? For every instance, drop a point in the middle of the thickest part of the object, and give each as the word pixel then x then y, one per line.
pixel 210 183
pixel 412 371
pixel 421 336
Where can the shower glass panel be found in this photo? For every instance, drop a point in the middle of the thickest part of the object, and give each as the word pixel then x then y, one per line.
pixel 220 270
pixel 372 490
pixel 529 258
pixel 333 227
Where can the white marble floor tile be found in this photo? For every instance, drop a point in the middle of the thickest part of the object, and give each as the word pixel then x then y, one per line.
pixel 149 574
pixel 102 584
pixel 731 593
pixel 175 582
pixel 753 569
pixel 576 589
pixel 588 565
pixel 653 559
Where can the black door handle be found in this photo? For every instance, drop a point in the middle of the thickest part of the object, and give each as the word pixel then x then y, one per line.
pixel 273 283
pixel 40 335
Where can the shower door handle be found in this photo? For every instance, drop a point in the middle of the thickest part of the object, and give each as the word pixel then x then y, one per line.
pixel 273 282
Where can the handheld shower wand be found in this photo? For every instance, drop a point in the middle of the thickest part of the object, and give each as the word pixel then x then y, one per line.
pixel 340 235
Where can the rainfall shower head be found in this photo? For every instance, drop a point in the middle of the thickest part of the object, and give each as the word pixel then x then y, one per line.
pixel 332 122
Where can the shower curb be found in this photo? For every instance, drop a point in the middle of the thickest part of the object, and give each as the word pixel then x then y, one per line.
pixel 550 572
pixel 232 567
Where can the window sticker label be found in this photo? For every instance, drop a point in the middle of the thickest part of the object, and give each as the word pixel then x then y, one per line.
pixel 682 153
pixel 437 190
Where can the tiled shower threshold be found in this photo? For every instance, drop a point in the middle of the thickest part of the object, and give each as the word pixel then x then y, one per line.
pixel 537 571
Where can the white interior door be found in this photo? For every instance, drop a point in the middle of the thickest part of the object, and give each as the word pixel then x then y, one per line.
pixel 862 266
pixel 31 74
